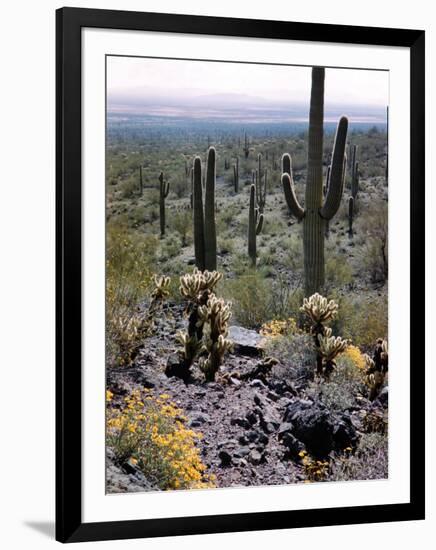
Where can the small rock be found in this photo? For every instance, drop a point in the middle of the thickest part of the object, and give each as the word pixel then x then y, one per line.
pixel 197 419
pixel 251 418
pixel 235 382
pixel 242 422
pixel 260 400
pixel 252 435
pixel 255 457
pixel 241 452
pixel 273 396
pixel 225 458
pixel 256 383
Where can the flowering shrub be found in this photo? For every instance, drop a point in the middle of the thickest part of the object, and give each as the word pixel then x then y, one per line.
pixel 356 356
pixel 278 327
pixel 151 433
pixel 314 470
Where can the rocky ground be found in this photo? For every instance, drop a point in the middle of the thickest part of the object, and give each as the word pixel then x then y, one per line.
pixel 254 421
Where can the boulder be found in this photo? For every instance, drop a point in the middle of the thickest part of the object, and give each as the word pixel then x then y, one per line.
pixel 318 429
pixel 245 341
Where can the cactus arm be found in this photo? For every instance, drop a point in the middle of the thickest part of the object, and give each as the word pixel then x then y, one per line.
pixel 198 216
pixel 259 224
pixel 291 199
pixel 209 213
pixel 167 189
pixel 286 164
pixel 334 193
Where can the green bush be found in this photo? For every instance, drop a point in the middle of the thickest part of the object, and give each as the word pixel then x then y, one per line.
pixel 361 318
pixel 249 294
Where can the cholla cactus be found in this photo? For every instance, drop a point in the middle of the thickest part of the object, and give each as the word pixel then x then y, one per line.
pixel 319 309
pixel 329 348
pixel 192 285
pixel 377 368
pixel 160 291
pixel 191 346
pixel 216 313
pixel 208 312
pixel 161 288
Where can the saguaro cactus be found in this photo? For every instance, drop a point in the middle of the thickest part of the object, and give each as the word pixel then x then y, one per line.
pixel 236 175
pixel 141 182
pixel 255 223
pixel 204 221
pixel 164 189
pixel 354 174
pixel 261 183
pixel 246 146
pixel 316 212
pixel 209 212
pixel 350 216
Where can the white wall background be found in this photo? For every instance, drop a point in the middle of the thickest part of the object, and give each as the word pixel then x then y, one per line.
pixel 27 214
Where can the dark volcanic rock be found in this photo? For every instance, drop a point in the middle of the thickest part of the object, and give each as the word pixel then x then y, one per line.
pixel 176 368
pixel 320 430
pixel 225 458
pixel 292 444
pixel 383 397
pixel 242 422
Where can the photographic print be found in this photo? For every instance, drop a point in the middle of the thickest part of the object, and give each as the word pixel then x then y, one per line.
pixel 246 274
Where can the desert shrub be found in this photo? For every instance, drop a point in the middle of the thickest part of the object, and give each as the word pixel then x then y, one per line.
pixel 362 319
pixel 293 250
pixel 375 227
pixel 182 224
pixel 339 392
pixel 225 245
pixel 249 294
pixel 338 272
pixel 369 461
pixel 180 187
pixel 295 353
pixel 226 217
pixel 129 263
pixel 129 188
pixel 130 258
pixel 170 247
pixel 138 215
pixel 150 432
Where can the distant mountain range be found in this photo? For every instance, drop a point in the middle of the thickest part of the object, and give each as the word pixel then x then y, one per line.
pixel 232 107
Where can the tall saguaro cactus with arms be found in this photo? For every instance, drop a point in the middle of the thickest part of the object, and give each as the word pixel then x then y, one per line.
pixel 316 211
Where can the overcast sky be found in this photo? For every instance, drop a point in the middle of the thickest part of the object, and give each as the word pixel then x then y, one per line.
pixel 141 78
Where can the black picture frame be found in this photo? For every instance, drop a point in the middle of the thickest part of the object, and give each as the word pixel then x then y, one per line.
pixel 69 525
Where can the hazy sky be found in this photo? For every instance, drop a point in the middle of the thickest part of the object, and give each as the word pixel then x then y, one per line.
pixel 141 78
